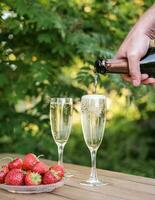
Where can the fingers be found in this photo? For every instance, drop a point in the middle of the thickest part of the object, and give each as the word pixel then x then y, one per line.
pixel 144 79
pixel 149 81
pixel 134 69
pixel 129 79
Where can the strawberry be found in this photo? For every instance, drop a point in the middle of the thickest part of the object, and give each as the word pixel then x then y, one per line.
pixel 49 177
pixel 14 177
pixel 4 170
pixel 40 168
pixel 29 161
pixel 16 163
pixel 32 178
pixel 59 170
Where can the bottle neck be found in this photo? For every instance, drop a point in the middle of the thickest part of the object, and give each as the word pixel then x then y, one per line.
pixel 119 66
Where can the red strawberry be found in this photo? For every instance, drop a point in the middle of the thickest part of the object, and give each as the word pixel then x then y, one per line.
pixel 49 178
pixel 14 177
pixel 59 170
pixel 16 163
pixel 40 168
pixel 3 173
pixel 32 178
pixel 29 161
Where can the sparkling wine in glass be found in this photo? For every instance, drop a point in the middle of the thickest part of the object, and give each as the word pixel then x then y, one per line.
pixel 61 121
pixel 93 117
pixel 96 76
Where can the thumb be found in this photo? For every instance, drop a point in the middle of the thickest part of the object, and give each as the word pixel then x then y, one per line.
pixel 134 69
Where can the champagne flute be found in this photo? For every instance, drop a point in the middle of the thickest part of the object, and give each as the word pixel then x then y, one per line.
pixel 61 121
pixel 93 117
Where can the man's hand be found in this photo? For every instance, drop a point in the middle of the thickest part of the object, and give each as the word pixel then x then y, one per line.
pixel 135 46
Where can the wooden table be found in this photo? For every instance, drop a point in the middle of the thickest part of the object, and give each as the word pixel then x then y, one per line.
pixel 121 187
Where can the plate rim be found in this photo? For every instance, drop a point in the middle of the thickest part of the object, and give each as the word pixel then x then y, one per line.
pixel 32 188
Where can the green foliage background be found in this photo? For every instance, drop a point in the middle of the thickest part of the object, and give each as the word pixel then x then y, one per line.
pixel 47 49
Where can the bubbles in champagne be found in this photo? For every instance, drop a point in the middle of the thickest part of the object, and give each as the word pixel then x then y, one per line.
pixel 93 111
pixel 60 119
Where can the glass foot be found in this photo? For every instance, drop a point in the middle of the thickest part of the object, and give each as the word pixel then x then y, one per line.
pixel 68 175
pixel 93 183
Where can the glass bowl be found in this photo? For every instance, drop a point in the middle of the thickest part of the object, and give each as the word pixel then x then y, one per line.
pixel 32 189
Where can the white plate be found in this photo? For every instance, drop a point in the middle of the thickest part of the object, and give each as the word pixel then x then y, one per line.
pixel 32 189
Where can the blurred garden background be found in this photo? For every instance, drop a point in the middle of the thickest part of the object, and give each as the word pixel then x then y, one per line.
pixel 47 49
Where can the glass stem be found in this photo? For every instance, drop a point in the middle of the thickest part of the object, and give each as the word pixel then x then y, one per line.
pixel 60 154
pixel 93 175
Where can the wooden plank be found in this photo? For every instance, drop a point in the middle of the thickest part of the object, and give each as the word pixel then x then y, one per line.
pixel 121 183
pixel 113 190
pixel 82 194
pixel 120 187
pixel 118 175
pixel 4 195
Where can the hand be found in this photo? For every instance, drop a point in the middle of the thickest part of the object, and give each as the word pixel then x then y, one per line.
pixel 134 47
